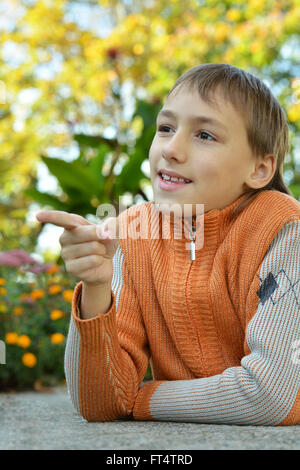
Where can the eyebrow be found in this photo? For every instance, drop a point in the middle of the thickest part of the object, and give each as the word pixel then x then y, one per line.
pixel 202 119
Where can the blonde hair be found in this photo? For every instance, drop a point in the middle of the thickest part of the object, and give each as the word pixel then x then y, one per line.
pixel 266 124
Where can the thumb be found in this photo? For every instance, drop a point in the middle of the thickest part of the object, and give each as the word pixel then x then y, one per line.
pixel 108 229
pixel 108 233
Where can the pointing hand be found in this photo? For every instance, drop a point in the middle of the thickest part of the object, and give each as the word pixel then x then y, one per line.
pixel 87 248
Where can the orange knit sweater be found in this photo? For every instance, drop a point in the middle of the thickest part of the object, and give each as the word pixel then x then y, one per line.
pixel 222 332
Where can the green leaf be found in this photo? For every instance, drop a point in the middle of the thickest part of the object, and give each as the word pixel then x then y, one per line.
pixel 96 163
pixel 73 175
pixel 145 140
pixel 147 111
pixel 131 173
pixel 295 189
pixel 46 199
pixel 94 140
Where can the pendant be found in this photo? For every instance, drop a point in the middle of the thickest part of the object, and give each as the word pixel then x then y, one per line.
pixel 192 251
pixel 192 236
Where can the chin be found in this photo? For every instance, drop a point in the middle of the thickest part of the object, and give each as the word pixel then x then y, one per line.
pixel 166 207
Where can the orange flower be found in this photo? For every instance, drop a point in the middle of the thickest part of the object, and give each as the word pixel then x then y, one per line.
pixel 3 291
pixel 24 341
pixel 55 289
pixel 29 359
pixel 2 281
pixel 18 310
pixel 37 294
pixel 11 337
pixel 24 297
pixel 56 314
pixel 53 269
pixel 68 295
pixel 3 308
pixel 57 338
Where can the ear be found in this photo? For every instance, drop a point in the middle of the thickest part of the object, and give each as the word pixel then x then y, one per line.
pixel 262 173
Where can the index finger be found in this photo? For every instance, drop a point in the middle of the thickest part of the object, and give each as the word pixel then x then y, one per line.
pixel 62 219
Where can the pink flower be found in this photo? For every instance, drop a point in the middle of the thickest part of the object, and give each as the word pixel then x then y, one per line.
pixel 12 258
pixel 28 300
pixel 38 268
pixel 16 258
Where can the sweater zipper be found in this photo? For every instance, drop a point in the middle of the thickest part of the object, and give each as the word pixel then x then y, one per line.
pixel 192 237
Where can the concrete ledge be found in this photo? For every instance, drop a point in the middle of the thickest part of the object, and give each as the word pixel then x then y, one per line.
pixel 41 421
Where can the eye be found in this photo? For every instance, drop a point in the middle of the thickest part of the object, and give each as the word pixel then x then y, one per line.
pixel 203 132
pixel 163 129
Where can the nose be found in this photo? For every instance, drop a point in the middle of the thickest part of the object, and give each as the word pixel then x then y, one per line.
pixel 175 149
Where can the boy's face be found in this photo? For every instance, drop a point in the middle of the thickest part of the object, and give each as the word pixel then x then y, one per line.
pixel 216 157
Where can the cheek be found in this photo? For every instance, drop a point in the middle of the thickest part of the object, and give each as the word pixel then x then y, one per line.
pixel 151 153
pixel 152 150
pixel 153 157
pixel 206 169
pixel 153 167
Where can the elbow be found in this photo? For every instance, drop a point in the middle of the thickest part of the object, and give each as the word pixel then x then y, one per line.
pixel 94 415
pixel 269 410
pixel 101 416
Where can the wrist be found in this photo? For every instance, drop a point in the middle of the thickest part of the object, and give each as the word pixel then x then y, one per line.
pixel 95 285
pixel 95 299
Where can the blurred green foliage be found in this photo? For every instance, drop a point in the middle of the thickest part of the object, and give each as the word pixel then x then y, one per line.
pixel 83 182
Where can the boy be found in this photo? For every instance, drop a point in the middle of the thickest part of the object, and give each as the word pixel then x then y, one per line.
pixel 220 325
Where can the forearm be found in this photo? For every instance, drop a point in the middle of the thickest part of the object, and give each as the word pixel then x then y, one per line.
pixel 95 299
pixel 103 367
pixel 102 378
pixel 93 361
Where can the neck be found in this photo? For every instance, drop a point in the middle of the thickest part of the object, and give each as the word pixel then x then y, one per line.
pixel 200 228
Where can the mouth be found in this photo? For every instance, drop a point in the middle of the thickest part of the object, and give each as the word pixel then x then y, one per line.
pixel 173 178
pixel 170 183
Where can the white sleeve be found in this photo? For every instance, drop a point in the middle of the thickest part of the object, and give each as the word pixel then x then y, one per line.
pixel 263 389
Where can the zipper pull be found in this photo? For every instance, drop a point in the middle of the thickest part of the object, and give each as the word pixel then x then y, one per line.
pixel 192 246
pixel 192 237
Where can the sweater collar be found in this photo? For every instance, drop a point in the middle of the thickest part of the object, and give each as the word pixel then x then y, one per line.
pixel 207 223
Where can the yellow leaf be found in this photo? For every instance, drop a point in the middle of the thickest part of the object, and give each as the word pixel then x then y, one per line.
pixel 138 49
pixel 293 112
pixel 233 14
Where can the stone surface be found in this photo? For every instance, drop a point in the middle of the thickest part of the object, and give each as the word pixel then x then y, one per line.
pixel 41 421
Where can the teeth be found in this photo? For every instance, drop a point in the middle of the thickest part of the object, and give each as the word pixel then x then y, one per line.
pixel 173 178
